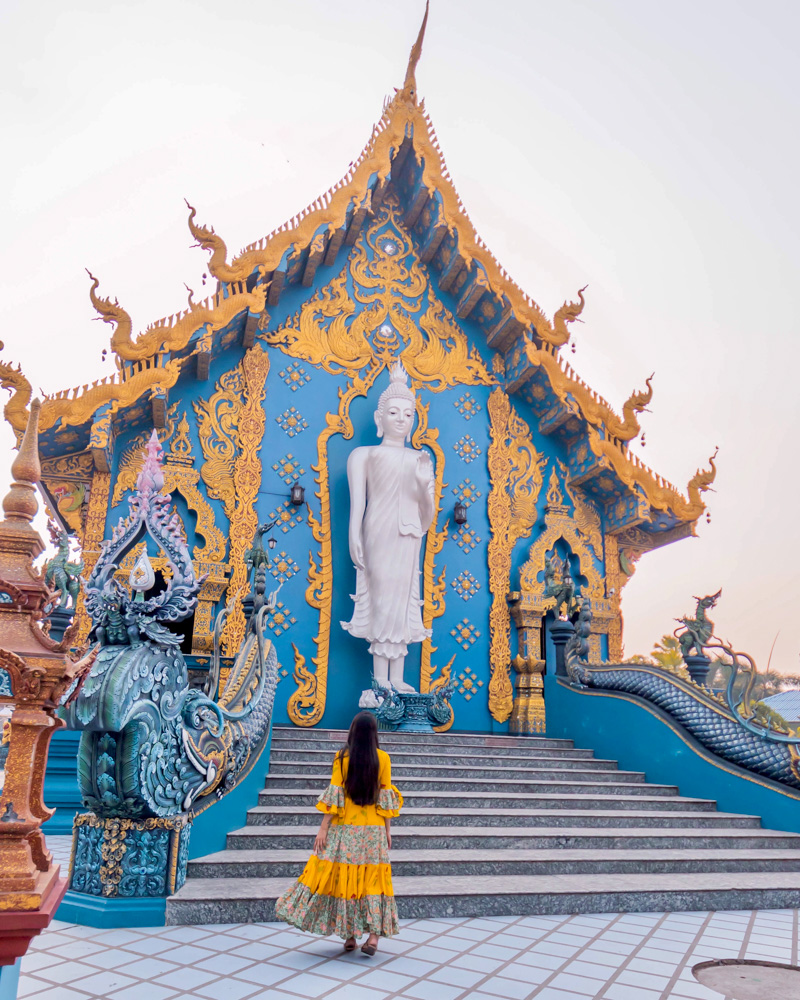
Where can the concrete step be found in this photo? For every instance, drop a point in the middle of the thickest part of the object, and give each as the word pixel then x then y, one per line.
pixel 460 767
pixel 234 900
pixel 501 785
pixel 428 837
pixel 304 798
pixel 444 742
pixel 496 817
pixel 280 863
pixel 326 752
pixel 541 759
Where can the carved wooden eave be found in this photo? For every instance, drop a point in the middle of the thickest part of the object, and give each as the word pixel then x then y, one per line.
pixel 403 157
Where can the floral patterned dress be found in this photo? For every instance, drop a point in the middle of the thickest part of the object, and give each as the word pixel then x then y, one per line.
pixel 347 888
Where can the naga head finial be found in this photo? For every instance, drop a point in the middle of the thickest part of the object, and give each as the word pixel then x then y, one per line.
pixel 409 90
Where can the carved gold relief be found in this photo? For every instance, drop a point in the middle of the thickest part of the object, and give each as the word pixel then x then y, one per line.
pixel 247 477
pixel 585 516
pixel 516 475
pixel 434 589
pixel 332 332
pixel 218 429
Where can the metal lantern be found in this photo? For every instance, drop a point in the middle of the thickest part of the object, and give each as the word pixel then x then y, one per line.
pixel 272 541
pixel 298 495
pixel 460 513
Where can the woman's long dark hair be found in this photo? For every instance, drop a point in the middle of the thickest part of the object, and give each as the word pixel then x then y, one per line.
pixel 361 783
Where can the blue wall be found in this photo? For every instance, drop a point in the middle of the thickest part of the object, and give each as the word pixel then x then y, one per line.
pixel 642 738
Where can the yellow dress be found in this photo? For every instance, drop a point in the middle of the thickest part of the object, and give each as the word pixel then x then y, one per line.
pixel 347 888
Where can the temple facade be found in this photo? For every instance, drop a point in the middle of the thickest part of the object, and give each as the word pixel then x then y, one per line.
pixel 260 394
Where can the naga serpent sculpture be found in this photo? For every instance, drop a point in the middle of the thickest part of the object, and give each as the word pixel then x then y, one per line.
pixel 731 728
pixel 153 750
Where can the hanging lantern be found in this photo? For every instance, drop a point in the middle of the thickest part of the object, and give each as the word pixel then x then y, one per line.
pixel 460 513
pixel 272 542
pixel 298 495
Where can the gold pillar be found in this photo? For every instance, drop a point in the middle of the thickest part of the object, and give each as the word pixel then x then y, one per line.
pixel 528 712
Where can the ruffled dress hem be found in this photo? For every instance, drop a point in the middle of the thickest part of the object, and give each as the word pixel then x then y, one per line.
pixel 309 911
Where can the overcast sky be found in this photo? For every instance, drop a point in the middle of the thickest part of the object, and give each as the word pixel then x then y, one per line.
pixel 647 149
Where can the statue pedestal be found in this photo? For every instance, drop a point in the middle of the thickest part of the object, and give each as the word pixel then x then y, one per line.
pixel 698 668
pixel 416 718
pixel 406 712
pixel 60 619
pixel 127 858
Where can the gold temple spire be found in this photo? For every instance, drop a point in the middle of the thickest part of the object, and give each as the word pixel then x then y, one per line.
pixel 20 503
pixel 410 86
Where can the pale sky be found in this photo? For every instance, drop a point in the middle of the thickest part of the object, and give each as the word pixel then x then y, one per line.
pixel 647 149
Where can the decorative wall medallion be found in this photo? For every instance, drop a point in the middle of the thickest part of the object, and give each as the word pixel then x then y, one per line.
pixel 466 538
pixel 465 585
pixel 281 619
pixel 465 633
pixel 287 515
pixel 466 492
pixel 283 567
pixel 468 683
pixel 467 405
pixel 289 469
pixel 291 421
pixel 466 448
pixel 295 376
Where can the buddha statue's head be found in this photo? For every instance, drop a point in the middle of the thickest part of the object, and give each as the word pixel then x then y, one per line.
pixel 397 407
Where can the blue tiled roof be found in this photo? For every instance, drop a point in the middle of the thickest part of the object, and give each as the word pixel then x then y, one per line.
pixel 787 704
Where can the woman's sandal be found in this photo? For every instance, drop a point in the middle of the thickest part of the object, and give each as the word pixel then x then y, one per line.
pixel 369 949
pixel 350 944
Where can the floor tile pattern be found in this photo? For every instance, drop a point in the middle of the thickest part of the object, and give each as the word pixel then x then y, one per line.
pixel 629 956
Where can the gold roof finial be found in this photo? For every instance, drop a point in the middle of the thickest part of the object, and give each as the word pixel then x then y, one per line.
pixel 410 85
pixel 20 503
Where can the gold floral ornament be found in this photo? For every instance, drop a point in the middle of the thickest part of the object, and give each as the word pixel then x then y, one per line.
pixel 247 479
pixel 218 430
pixel 434 589
pixel 516 471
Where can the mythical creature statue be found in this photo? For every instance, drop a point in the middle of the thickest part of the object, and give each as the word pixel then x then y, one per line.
pixel 696 632
pixel 735 728
pixel 153 750
pixel 440 710
pixel 59 573
pixel 559 585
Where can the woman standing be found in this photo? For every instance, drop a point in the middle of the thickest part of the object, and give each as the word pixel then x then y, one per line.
pixel 346 887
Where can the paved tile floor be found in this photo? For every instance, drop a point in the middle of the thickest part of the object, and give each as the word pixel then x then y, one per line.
pixel 629 956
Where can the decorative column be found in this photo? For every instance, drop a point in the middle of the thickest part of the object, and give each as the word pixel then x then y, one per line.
pixel 528 712
pixel 561 631
pixel 527 715
pixel 40 674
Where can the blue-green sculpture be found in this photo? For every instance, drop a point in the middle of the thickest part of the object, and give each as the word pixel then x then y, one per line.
pixel 695 633
pixel 734 728
pixel 59 573
pixel 153 750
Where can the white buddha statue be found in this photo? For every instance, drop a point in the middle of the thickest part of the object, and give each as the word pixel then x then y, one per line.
pixel 391 509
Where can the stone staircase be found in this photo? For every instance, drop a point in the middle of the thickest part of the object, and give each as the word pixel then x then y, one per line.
pixel 502 825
